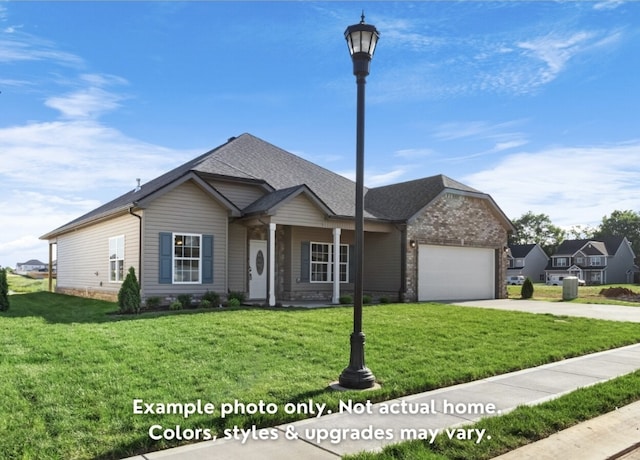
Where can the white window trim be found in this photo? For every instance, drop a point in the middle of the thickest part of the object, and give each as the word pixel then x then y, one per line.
pixel 329 263
pixel 173 258
pixel 564 263
pixel 117 272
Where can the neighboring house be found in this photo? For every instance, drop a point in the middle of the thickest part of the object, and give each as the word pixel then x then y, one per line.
pixel 32 265
pixel 603 261
pixel 528 260
pixel 251 217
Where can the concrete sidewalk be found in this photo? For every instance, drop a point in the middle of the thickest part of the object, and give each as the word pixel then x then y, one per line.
pixel 584 310
pixel 331 436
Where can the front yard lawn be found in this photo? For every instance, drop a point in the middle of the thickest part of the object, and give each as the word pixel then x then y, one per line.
pixel 586 294
pixel 70 371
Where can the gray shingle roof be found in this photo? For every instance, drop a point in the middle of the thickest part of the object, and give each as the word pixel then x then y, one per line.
pixel 402 201
pixel 606 246
pixel 249 158
pixel 519 251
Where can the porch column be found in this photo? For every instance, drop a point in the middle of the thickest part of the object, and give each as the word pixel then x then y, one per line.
pixel 271 286
pixel 336 266
pixel 51 267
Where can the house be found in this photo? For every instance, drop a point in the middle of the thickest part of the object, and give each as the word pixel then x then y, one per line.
pixel 250 217
pixel 603 261
pixel 528 260
pixel 32 265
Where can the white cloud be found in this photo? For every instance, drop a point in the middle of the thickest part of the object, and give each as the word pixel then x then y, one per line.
pixel 51 173
pixel 16 46
pixel 608 4
pixel 573 185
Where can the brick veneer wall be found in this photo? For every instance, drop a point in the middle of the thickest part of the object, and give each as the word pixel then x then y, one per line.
pixel 456 220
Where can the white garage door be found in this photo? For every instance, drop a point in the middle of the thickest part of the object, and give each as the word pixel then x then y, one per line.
pixel 455 273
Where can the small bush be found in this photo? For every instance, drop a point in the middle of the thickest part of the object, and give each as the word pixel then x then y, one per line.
pixel 233 302
pixel 185 300
pixel 152 302
pixel 211 297
pixel 4 290
pixel 204 303
pixel 527 289
pixel 345 300
pixel 129 294
pixel 366 299
pixel 236 295
pixel 175 305
pixel 384 299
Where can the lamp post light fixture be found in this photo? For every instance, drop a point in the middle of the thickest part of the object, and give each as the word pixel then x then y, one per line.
pixel 361 39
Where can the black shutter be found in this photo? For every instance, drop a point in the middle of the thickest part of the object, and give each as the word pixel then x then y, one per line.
pixel 305 261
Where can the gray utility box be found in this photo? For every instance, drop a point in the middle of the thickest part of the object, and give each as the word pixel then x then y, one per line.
pixel 569 288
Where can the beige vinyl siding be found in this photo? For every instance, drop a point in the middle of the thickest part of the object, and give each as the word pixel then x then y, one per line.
pixel 299 211
pixel 83 255
pixel 185 209
pixel 242 195
pixel 237 258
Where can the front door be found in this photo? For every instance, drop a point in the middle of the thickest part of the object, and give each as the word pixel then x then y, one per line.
pixel 257 269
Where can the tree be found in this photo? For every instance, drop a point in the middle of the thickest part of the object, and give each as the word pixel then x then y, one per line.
pixel 622 223
pixel 4 290
pixel 580 232
pixel 129 294
pixel 526 292
pixel 537 229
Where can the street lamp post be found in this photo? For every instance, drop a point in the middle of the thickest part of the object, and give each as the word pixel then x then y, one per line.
pixel 361 39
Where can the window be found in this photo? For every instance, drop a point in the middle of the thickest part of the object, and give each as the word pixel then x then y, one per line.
pixel 186 258
pixel 561 262
pixel 116 259
pixel 322 262
pixel 595 261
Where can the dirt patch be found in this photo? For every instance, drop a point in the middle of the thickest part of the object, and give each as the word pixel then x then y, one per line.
pixel 620 293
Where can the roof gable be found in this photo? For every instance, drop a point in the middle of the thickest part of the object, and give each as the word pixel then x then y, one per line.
pixel 269 204
pixel 520 251
pixel 251 160
pixel 250 157
pixel 404 200
pixel 600 246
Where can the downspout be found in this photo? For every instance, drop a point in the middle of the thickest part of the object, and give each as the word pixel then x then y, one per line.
pixel 139 246
pixel 402 295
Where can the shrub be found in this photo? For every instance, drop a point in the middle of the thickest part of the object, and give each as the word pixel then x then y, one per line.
pixel 129 295
pixel 233 302
pixel 152 302
pixel 204 303
pixel 236 295
pixel 345 299
pixel 366 299
pixel 527 289
pixel 384 299
pixel 211 297
pixel 4 290
pixel 185 300
pixel 175 305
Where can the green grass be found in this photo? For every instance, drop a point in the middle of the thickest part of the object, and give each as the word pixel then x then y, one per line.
pixel 586 294
pixel 23 284
pixel 521 426
pixel 70 370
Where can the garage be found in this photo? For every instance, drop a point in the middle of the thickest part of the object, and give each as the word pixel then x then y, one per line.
pixel 455 273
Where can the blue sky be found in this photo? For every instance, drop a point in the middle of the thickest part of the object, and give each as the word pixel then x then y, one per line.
pixel 535 103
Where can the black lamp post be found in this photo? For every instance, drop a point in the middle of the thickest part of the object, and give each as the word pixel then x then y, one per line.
pixel 362 39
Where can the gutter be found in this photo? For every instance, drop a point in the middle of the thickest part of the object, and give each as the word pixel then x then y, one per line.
pixel 139 245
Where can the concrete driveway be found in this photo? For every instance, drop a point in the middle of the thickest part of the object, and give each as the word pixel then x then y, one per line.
pixel 596 311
